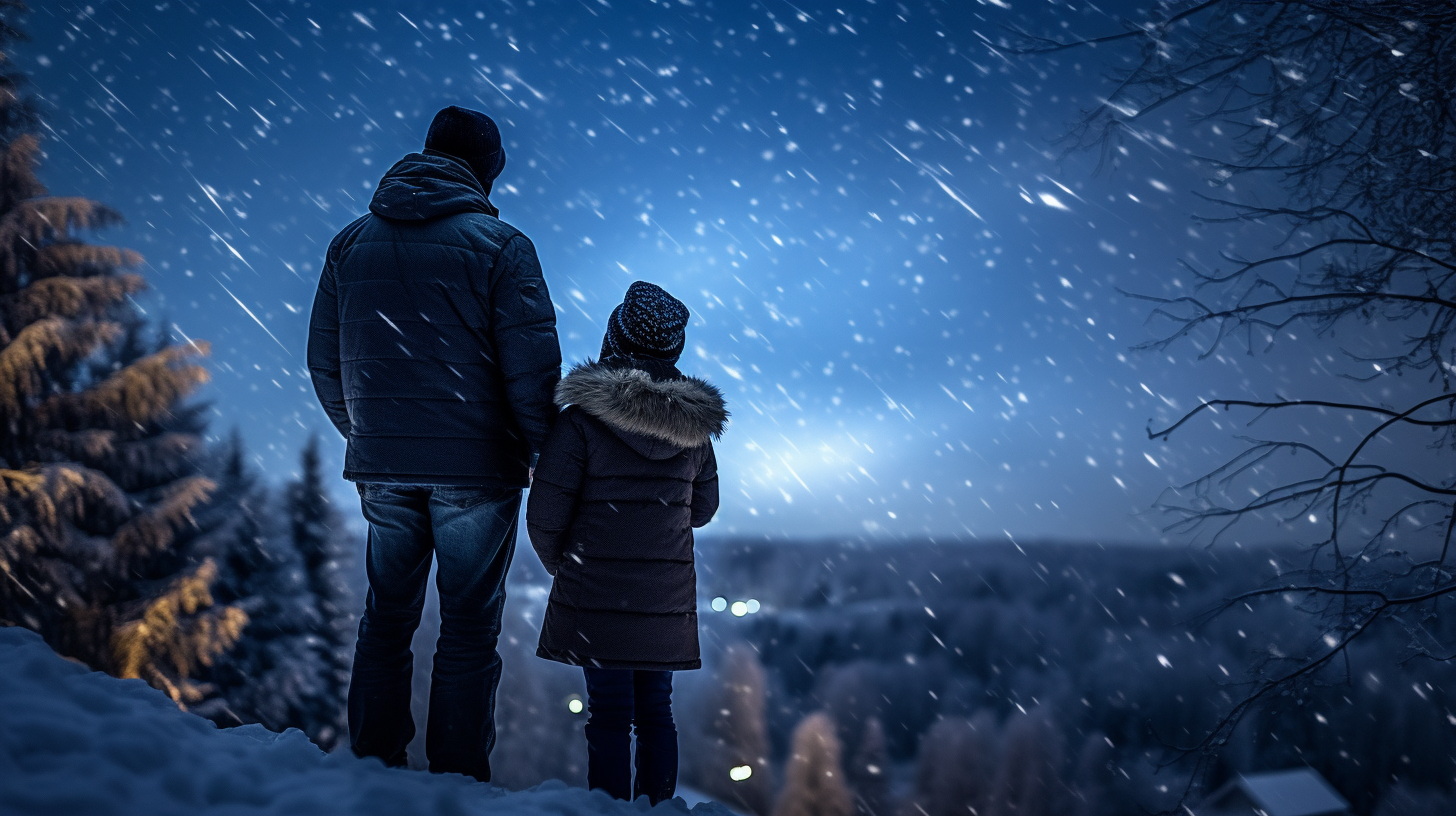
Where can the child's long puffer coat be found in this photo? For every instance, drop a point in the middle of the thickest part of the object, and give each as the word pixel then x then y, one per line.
pixel 626 474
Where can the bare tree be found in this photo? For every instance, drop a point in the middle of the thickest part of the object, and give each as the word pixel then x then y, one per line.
pixel 1342 115
pixel 1029 781
pixel 955 772
pixel 868 771
pixel 1090 775
pixel 726 748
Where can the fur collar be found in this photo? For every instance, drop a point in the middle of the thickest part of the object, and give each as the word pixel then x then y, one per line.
pixel 688 412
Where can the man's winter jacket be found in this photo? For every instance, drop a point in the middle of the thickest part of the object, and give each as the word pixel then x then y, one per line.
pixel 432 343
pixel 626 474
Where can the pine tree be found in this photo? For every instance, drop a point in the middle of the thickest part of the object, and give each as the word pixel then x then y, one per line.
pixel 281 673
pixel 316 532
pixel 730 761
pixel 97 478
pixel 814 782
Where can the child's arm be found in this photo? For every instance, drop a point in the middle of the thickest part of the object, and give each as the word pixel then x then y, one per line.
pixel 705 490
pixel 554 491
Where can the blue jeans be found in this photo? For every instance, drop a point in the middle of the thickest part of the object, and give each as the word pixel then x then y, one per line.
pixel 472 529
pixel 619 700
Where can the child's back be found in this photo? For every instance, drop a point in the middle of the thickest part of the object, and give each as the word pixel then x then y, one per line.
pixel 625 476
pixel 627 473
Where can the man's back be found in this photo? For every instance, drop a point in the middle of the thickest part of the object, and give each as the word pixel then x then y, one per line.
pixel 433 350
pixel 433 342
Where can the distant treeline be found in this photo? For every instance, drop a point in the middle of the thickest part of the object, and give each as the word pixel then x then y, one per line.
pixel 1099 642
pixel 1033 679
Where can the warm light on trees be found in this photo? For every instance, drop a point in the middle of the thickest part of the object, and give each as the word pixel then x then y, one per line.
pixel 730 760
pixel 97 482
pixel 814 783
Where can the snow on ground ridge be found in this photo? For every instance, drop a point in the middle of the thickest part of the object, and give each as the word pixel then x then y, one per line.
pixel 79 742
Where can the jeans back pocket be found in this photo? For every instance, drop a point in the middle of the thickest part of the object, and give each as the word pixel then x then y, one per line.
pixel 465 498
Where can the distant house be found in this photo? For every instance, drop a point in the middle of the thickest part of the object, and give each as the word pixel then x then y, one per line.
pixel 1297 792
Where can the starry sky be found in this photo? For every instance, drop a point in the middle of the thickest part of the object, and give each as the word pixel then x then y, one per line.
pixel 910 291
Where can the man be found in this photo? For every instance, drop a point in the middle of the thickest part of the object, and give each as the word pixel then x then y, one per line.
pixel 433 349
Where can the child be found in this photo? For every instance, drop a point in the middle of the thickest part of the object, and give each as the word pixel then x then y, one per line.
pixel 625 475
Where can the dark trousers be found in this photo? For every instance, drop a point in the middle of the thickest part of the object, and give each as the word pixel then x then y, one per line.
pixel 472 530
pixel 619 700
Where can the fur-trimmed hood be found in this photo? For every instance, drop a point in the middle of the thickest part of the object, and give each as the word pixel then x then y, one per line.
pixel 685 412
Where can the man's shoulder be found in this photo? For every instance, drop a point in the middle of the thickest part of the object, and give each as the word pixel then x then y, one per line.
pixel 349 231
pixel 483 233
pixel 490 224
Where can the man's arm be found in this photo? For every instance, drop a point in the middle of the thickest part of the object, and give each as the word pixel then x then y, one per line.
pixel 523 323
pixel 323 348
pixel 555 489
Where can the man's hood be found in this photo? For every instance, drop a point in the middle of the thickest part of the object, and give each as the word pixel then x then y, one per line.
pixel 428 185
pixel 657 417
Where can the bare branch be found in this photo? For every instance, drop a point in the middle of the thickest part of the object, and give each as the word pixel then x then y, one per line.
pixel 1403 416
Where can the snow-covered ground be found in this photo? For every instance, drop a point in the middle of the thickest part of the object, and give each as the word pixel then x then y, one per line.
pixel 77 742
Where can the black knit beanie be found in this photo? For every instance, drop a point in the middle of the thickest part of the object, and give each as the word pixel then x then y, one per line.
pixel 649 323
pixel 471 136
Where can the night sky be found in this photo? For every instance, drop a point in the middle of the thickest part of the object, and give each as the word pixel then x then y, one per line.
pixel 907 290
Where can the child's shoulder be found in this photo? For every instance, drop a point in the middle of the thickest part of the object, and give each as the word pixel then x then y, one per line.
pixel 573 414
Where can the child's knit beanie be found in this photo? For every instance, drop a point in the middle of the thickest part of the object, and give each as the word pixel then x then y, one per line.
pixel 649 322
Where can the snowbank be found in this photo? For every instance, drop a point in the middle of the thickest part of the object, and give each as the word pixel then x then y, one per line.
pixel 78 742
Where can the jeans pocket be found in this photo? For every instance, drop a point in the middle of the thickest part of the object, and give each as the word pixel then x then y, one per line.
pixel 392 493
pixel 465 498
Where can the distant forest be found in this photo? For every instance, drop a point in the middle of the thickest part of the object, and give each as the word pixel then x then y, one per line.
pixel 1030 679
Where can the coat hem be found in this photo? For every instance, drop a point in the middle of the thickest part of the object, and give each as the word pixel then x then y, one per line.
pixel 573 659
pixel 435 479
